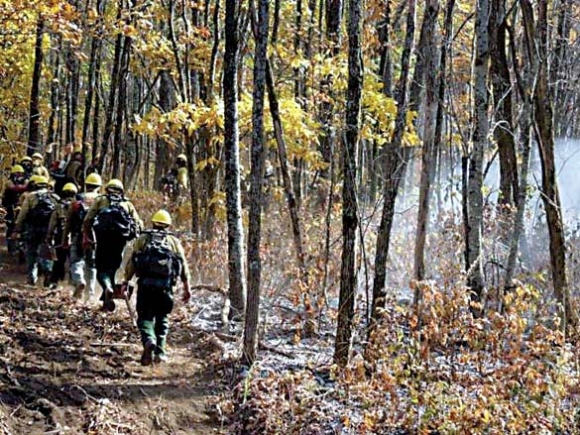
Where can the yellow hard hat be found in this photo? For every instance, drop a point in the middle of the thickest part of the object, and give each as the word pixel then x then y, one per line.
pixel 162 217
pixel 94 180
pixel 115 184
pixel 39 179
pixel 37 156
pixel 17 169
pixel 70 187
pixel 26 159
pixel 182 157
pixel 34 179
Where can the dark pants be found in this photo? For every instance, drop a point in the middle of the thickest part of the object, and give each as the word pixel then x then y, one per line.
pixel 35 238
pixel 58 266
pixel 108 259
pixel 153 308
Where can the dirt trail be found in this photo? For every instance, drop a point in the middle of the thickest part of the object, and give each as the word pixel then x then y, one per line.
pixel 70 369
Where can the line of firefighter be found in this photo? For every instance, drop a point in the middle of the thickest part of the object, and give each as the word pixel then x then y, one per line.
pixel 92 230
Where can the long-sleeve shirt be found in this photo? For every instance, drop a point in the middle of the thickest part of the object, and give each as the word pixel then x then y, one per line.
pixel 103 202
pixel 173 244
pixel 57 220
pixel 182 178
pixel 29 203
pixel 74 172
pixel 40 170
pixel 70 226
pixel 13 191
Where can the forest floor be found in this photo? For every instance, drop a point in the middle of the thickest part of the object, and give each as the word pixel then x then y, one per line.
pixel 67 368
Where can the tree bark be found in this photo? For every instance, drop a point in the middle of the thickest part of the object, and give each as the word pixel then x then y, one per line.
pixel 348 275
pixel 428 157
pixel 111 104
pixel 257 179
pixel 166 103
pixel 386 74
pixel 237 290
pixel 54 98
pixel 394 161
pixel 91 85
pixel 120 140
pixel 333 35
pixel 72 93
pixel 524 84
pixel 34 142
pixel 543 126
pixel 293 208
pixel 502 99
pixel 474 199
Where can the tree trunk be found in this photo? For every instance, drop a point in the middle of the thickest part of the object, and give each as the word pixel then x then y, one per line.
pixel 428 157
pixel 214 51
pixel 166 103
pixel 54 99
pixel 257 180
pixel 34 142
pixel 348 275
pixel 558 77
pixel 293 208
pixel 394 169
pixel 525 86
pixel 110 110
pixel 386 74
pixel 119 141
pixel 72 93
pixel 543 125
pixel 474 199
pixel 333 23
pixel 502 99
pixel 97 110
pixel 237 290
pixel 91 86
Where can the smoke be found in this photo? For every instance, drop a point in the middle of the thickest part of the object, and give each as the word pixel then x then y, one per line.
pixel 567 159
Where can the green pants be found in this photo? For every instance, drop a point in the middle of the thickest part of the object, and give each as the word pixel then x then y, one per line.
pixel 153 308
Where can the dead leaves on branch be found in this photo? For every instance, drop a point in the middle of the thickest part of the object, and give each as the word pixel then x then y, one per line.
pixel 432 368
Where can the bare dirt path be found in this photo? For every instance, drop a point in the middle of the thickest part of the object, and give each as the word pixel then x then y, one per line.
pixel 66 368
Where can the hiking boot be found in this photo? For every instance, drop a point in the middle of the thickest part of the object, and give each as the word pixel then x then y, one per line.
pixel 53 286
pixel 108 306
pixel 32 280
pixel 160 354
pixel 147 356
pixel 79 291
pixel 160 358
pixel 46 281
pixel 108 302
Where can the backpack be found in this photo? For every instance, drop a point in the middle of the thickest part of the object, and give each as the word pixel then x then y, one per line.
pixel 114 221
pixel 169 182
pixel 59 229
pixel 39 215
pixel 80 209
pixel 156 263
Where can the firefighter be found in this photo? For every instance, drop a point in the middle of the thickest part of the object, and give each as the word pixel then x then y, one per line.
pixel 38 167
pixel 174 184
pixel 182 180
pixel 17 185
pixel 82 261
pixel 54 236
pixel 158 261
pixel 34 217
pixel 110 223
pixel 74 169
pixel 26 163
